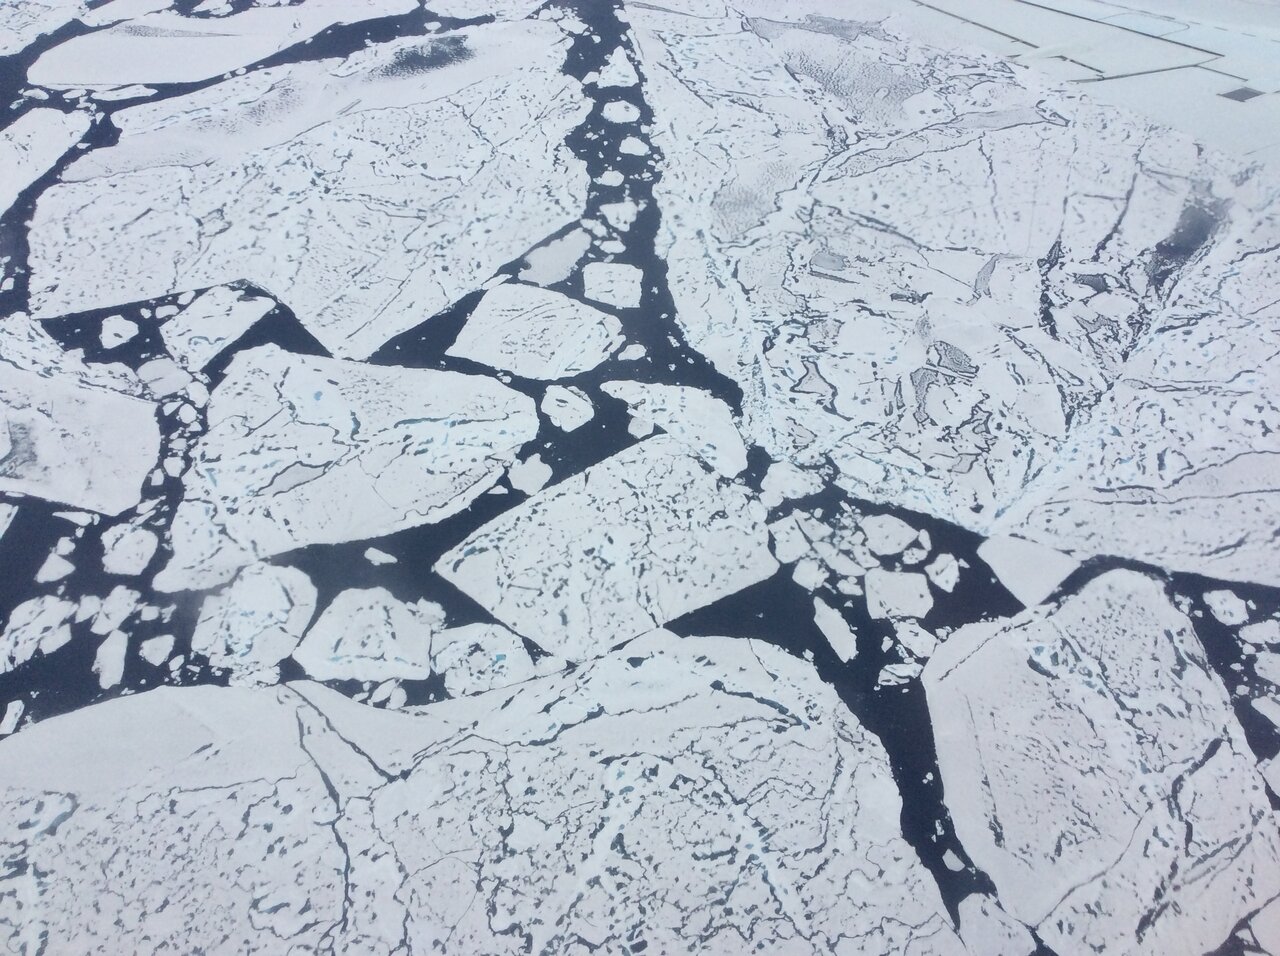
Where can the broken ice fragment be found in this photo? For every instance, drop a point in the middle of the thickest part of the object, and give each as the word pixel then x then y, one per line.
pixel 156 650
pixel 617 70
pixel 887 535
pixel 74 444
pixel 31 144
pixel 368 635
pixel 629 544
pixel 108 663
pixel 836 630
pixel 378 557
pixel 620 111
pixel 255 622
pixel 568 408
pixel 116 330
pixel 304 450
pixel 555 261
pixel 1227 607
pixel 210 323
pixel 613 283
pixel 39 624
pixel 480 657
pixel 128 549
pixel 529 475
pixel 893 594
pixel 12 717
pixel 1074 742
pixel 537 333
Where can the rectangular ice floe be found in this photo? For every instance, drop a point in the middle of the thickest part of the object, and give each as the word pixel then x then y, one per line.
pixel 608 554
pixel 303 450
pixel 537 333
pixel 72 443
pixel 1095 771
pixel 388 194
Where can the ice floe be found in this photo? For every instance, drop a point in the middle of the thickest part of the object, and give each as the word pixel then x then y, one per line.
pixel 537 333
pixel 302 450
pixel 1095 771
pixel 615 551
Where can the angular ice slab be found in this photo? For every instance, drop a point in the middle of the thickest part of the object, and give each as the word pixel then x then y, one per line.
pixel 73 443
pixel 604 556
pixel 1095 771
pixel 536 333
pixel 303 450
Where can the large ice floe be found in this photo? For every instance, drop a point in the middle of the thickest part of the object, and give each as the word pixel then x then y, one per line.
pixel 568 477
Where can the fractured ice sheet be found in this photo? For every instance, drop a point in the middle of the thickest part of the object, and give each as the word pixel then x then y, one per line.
pixel 1095 771
pixel 966 292
pixel 616 806
pixel 166 47
pixel 31 144
pixel 303 450
pixel 537 333
pixel 615 551
pixel 72 443
pixel 389 195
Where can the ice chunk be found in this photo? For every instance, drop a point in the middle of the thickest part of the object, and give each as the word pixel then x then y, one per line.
pixel 420 190
pixel 555 261
pixel 55 568
pixel 618 70
pixel 266 804
pixel 255 622
pixel 894 594
pixel 620 111
pixel 367 635
pixel 836 630
pixel 12 717
pixel 568 408
pixel 305 450
pixel 1227 607
pixel 537 333
pixel 695 418
pixel 74 444
pixel 613 283
pixel 529 475
pixel 886 534
pixel 613 552
pixel 116 330
pixel 108 663
pixel 128 549
pixel 156 650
